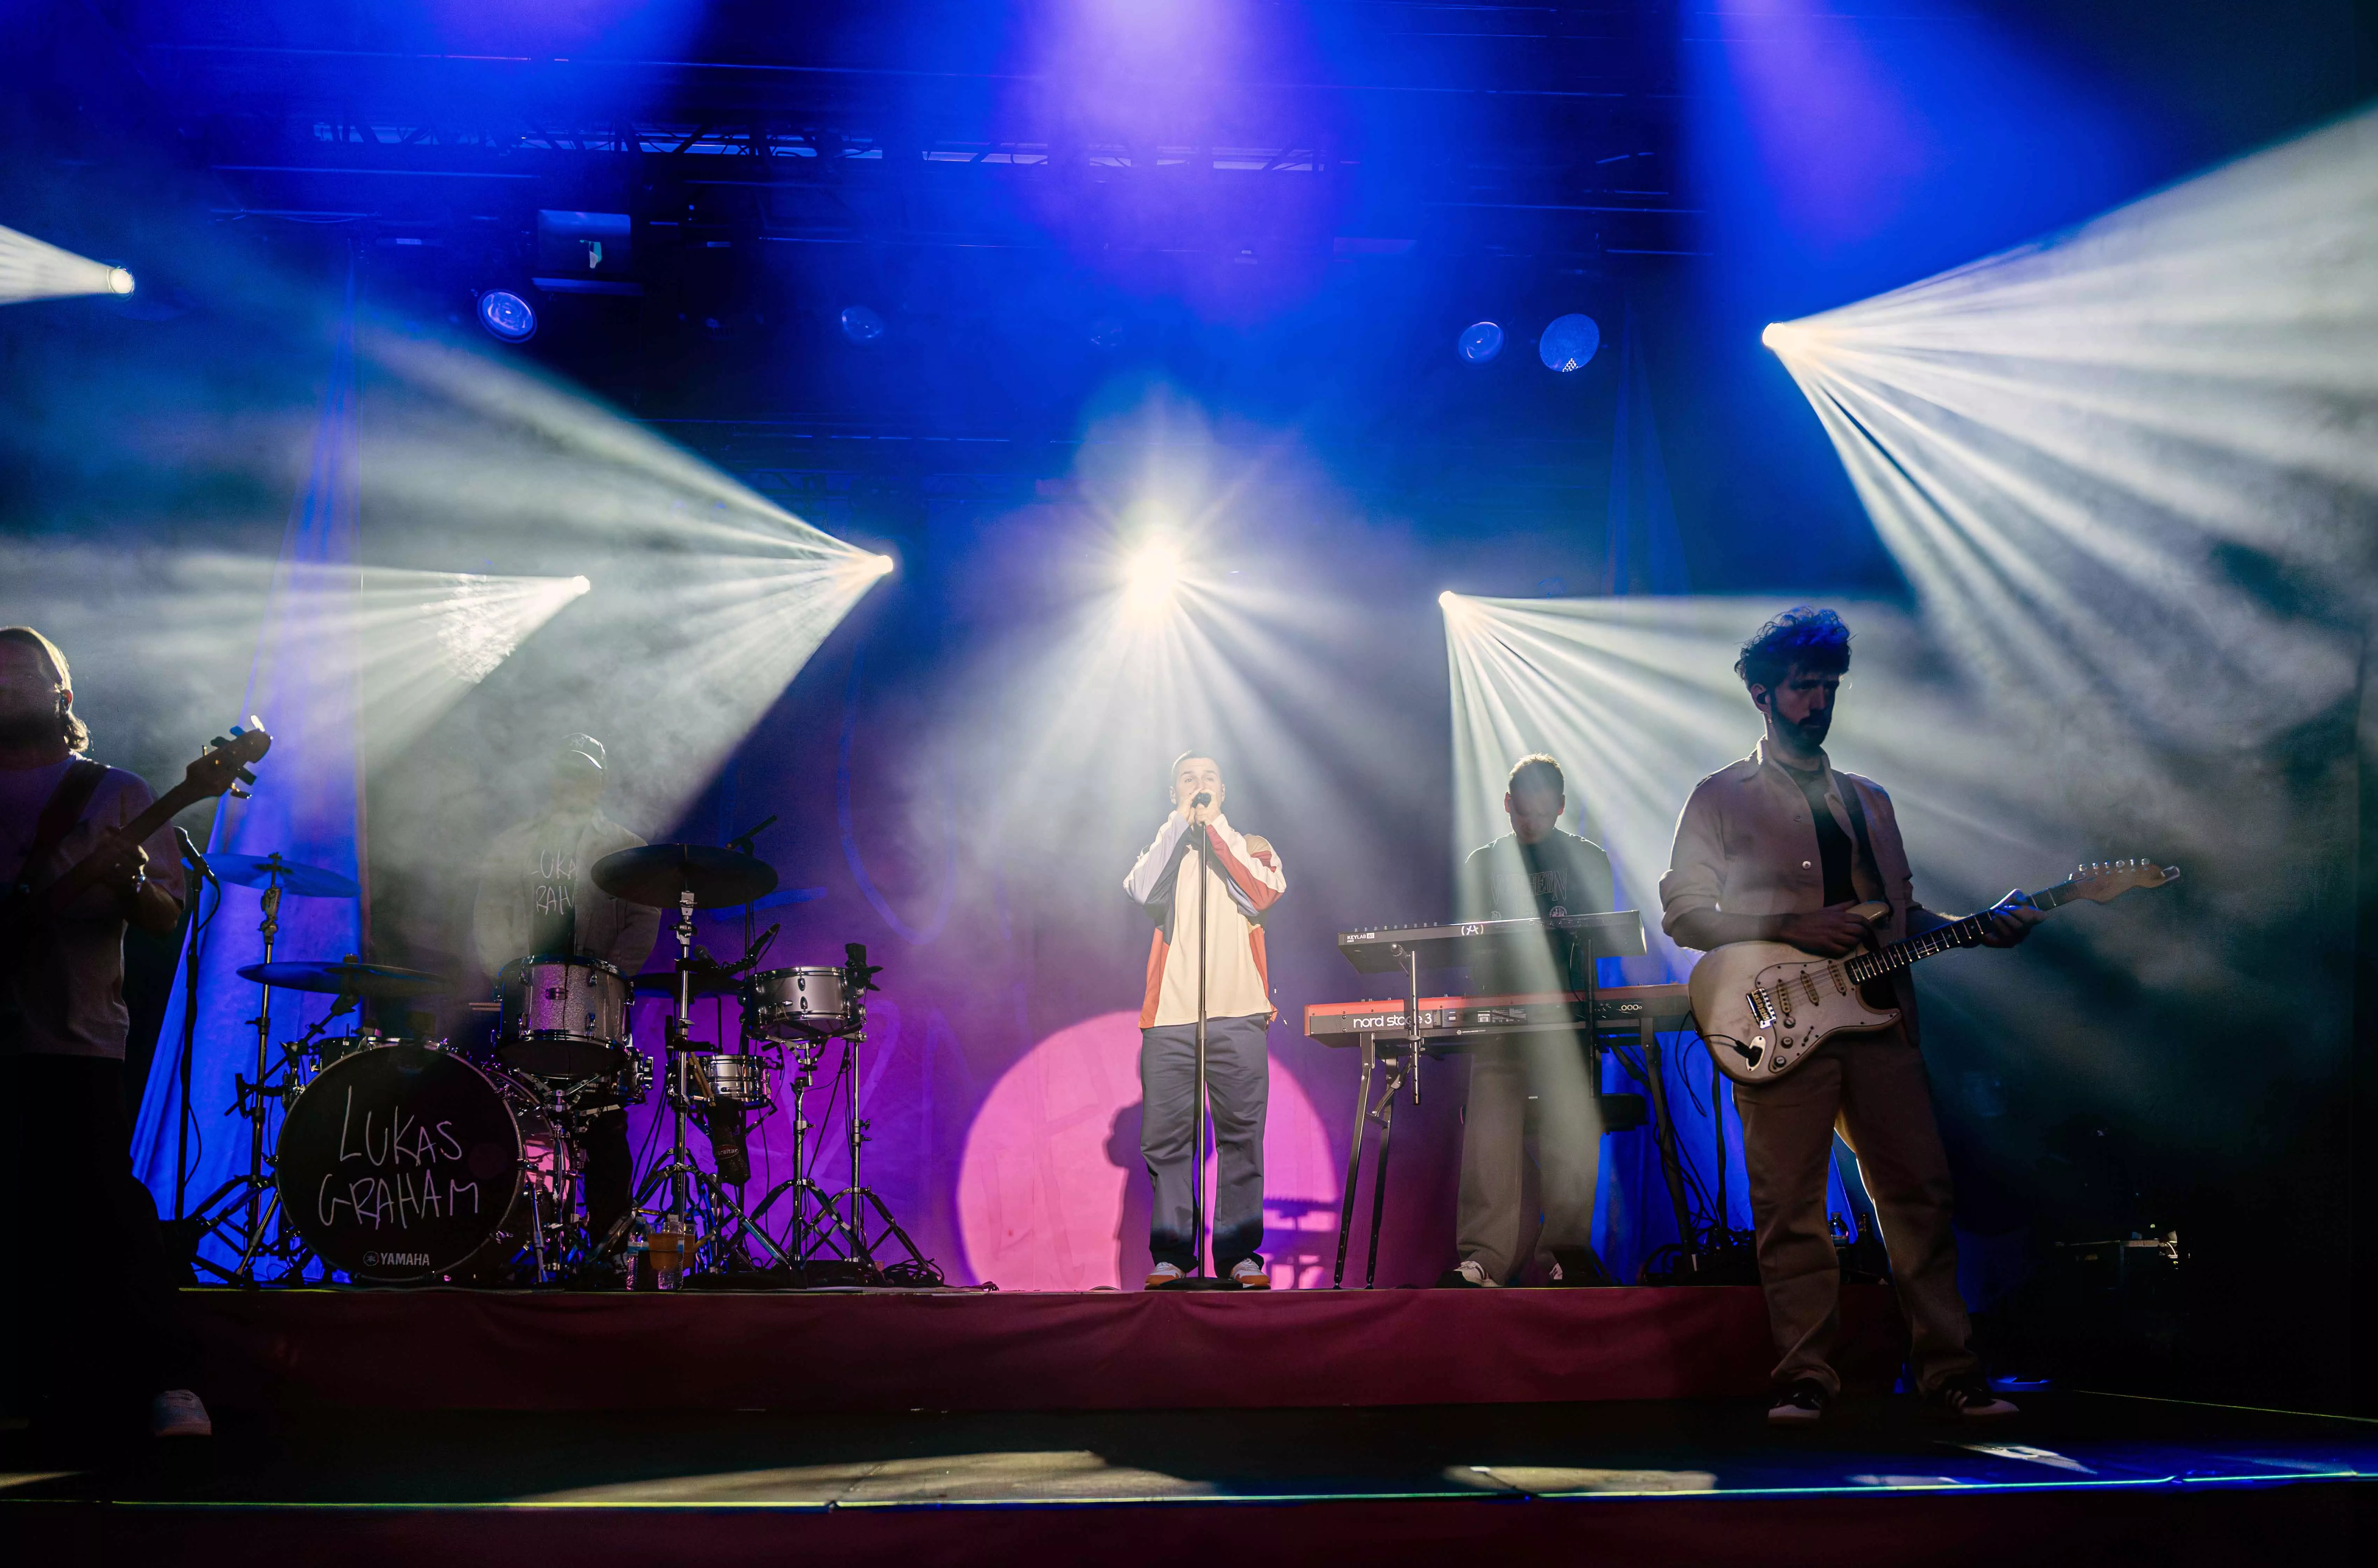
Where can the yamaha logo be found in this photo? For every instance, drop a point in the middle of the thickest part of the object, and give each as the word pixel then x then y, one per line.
pixel 396 1259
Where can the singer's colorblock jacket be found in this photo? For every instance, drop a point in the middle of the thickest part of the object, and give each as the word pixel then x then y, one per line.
pixel 1244 883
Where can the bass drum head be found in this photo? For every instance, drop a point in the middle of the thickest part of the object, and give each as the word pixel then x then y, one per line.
pixel 399 1164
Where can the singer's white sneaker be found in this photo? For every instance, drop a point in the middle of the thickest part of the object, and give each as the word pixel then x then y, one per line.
pixel 1248 1274
pixel 177 1412
pixel 1163 1274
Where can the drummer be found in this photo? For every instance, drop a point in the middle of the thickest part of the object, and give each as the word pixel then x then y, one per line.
pixel 535 900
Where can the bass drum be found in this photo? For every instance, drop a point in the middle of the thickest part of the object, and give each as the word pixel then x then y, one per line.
pixel 401 1163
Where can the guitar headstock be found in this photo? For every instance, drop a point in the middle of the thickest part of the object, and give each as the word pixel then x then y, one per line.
pixel 224 766
pixel 2102 882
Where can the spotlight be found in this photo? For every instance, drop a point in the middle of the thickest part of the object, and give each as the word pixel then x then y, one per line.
pixel 1479 342
pixel 1447 599
pixel 119 282
pixel 579 585
pixel 862 324
pixel 879 565
pixel 1569 342
pixel 1150 578
pixel 507 316
pixel 1773 334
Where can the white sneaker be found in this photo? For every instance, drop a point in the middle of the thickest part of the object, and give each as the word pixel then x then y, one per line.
pixel 1470 1275
pixel 177 1412
pixel 1248 1274
pixel 1163 1274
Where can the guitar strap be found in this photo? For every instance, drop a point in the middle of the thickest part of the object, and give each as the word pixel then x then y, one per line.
pixel 66 807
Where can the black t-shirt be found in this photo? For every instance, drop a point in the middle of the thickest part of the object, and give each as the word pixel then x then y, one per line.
pixel 1561 874
pixel 1834 851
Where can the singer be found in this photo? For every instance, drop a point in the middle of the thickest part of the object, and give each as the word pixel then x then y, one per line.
pixel 1208 887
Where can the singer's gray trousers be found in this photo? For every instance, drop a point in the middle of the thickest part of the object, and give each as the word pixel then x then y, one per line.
pixel 1238 1085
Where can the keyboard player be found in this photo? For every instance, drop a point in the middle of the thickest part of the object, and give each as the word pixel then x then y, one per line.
pixel 1535 870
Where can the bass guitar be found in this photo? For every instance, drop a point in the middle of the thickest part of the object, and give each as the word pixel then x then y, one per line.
pixel 1764 1006
pixel 222 767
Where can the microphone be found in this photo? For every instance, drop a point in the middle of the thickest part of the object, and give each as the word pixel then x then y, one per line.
pixel 190 853
pixel 724 1124
pixel 1202 798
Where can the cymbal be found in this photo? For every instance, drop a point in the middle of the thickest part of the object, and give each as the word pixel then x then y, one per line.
pixel 348 979
pixel 656 875
pixel 306 882
pixel 711 981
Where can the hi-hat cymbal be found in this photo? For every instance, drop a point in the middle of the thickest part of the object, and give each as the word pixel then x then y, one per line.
pixel 658 874
pixel 261 871
pixel 350 978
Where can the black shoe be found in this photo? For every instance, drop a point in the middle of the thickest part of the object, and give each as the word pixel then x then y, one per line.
pixel 1969 1398
pixel 1800 1403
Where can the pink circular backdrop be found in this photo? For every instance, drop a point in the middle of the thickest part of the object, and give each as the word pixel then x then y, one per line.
pixel 1053 1194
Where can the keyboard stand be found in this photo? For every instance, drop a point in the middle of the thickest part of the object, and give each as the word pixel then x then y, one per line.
pixel 1393 1052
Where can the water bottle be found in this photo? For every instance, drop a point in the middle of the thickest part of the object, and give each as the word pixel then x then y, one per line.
pixel 633 1253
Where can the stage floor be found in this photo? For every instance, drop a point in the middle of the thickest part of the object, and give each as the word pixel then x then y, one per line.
pixel 2107 1478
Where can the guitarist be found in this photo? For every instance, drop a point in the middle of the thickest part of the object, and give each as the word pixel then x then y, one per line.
pixel 103 1300
pixel 1778 847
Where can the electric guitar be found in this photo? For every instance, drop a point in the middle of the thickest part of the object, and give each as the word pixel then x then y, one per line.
pixel 222 766
pixel 1764 1006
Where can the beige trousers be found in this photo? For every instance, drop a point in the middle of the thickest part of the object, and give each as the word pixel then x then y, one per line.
pixel 1875 1088
pixel 1495 1225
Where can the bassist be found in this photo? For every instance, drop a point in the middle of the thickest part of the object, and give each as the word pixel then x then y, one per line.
pixel 100 1302
pixel 1778 847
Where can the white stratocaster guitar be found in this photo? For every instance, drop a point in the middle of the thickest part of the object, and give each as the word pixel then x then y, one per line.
pixel 1764 1006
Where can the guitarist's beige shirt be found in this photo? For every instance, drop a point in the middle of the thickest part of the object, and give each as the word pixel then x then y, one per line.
pixel 1745 844
pixel 72 995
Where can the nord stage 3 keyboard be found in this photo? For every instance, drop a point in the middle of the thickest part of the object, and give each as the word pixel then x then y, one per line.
pixel 1444 1020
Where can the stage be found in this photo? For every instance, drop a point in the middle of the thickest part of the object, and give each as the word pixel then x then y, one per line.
pixel 897 1351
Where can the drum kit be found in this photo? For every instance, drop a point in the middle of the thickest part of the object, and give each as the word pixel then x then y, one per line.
pixel 404 1159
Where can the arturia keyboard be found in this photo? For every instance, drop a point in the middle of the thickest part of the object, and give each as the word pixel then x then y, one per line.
pixel 1446 1021
pixel 1382 948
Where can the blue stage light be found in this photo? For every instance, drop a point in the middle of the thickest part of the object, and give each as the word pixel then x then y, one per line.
pixel 1569 341
pixel 862 324
pixel 1479 342
pixel 506 315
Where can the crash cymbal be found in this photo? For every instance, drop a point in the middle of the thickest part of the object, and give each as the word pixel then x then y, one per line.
pixel 709 980
pixel 657 874
pixel 349 978
pixel 261 871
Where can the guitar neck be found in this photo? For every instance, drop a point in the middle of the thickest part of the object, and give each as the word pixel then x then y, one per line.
pixel 80 875
pixel 1948 938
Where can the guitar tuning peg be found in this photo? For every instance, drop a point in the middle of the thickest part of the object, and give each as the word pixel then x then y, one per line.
pixel 246 776
pixel 239 793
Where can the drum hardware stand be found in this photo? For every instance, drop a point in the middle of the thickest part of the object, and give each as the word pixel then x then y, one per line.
pixel 684 1177
pixel 253 1196
pixel 806 1192
pixel 860 979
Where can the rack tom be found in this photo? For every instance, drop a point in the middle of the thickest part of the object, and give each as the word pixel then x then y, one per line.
pixel 564 1017
pixel 813 999
pixel 720 1079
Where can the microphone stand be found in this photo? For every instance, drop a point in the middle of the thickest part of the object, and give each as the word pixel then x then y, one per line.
pixel 1197 1166
pixel 196 862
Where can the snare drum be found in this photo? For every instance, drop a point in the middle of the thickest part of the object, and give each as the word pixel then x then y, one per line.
pixel 564 1017
pixel 739 1081
pixel 810 1000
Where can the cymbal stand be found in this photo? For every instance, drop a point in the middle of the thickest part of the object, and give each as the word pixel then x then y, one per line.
pixel 860 981
pixel 245 1205
pixel 685 1179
